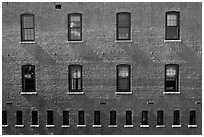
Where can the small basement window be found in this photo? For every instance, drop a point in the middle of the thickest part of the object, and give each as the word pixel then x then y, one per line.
pixel 58 6
pixel 176 119
pixel 65 117
pixel 144 122
pixel 50 119
pixel 97 118
pixel 128 118
pixel 113 118
pixel 34 117
pixel 4 118
pixel 19 119
pixel 160 118
pixel 192 120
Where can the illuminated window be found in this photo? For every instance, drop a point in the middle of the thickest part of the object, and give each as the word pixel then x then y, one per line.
pixel 34 117
pixel 75 27
pixel 75 78
pixel 123 26
pixel 123 78
pixel 171 77
pixel 27 27
pixel 172 25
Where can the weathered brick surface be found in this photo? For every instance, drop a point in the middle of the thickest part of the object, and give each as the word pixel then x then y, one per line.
pixel 99 54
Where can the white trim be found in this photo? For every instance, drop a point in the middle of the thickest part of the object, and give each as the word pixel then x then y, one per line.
pixel 50 126
pixel 123 41
pixel 4 125
pixel 34 125
pixel 172 40
pixel 128 126
pixel 175 126
pixel 75 93
pixel 192 126
pixel 160 126
pixel 144 126
pixel 27 42
pixel 114 126
pixel 79 126
pixel 123 93
pixel 19 125
pixel 65 125
pixel 28 93
pixel 97 126
pixel 75 41
pixel 168 93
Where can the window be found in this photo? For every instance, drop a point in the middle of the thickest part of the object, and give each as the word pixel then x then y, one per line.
pixel 50 120
pixel 75 78
pixel 19 118
pixel 123 26
pixel 160 118
pixel 97 118
pixel 34 118
pixel 65 117
pixel 4 118
pixel 172 25
pixel 28 78
pixel 123 78
pixel 75 27
pixel 144 117
pixel 81 118
pixel 27 27
pixel 112 117
pixel 192 120
pixel 128 118
pixel 176 117
pixel 171 78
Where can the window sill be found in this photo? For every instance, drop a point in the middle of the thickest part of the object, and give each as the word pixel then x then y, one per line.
pixel 34 125
pixel 176 126
pixel 145 126
pixel 160 126
pixel 20 126
pixel 192 126
pixel 97 126
pixel 172 93
pixel 123 93
pixel 128 126
pixel 50 126
pixel 28 93
pixel 112 126
pixel 4 125
pixel 65 126
pixel 81 126
pixel 75 93
pixel 172 40
pixel 27 42
pixel 75 41
pixel 123 41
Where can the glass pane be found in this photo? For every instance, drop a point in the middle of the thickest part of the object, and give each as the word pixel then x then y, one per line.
pixel 172 32
pixel 75 21
pixel 81 117
pixel 28 34
pixel 28 21
pixel 171 20
pixel 75 34
pixel 50 118
pixel 34 118
pixel 123 33
pixel 144 117
pixel 112 117
pixel 65 117
pixel 176 117
pixel 123 84
pixel 123 71
pixel 123 20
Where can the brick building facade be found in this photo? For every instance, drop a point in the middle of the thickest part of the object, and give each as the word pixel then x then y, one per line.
pixel 102 70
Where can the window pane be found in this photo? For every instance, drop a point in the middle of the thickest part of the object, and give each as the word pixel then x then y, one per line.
pixel 28 34
pixel 28 22
pixel 4 117
pixel 81 118
pixel 160 118
pixel 176 117
pixel 123 84
pixel 123 71
pixel 65 117
pixel 192 117
pixel 50 120
pixel 171 20
pixel 19 116
pixel 144 117
pixel 112 117
pixel 34 117
pixel 128 117
pixel 123 33
pixel 123 20
pixel 75 34
pixel 97 118
pixel 75 21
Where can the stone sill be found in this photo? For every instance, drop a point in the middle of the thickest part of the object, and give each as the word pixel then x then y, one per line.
pixel 75 42
pixel 123 41
pixel 75 93
pixel 171 93
pixel 4 125
pixel 172 40
pixel 145 126
pixel 97 126
pixel 48 126
pixel 176 126
pixel 128 126
pixel 28 93
pixel 65 126
pixel 123 93
pixel 192 126
pixel 81 126
pixel 160 126
pixel 27 42
pixel 19 126
pixel 34 125
pixel 112 126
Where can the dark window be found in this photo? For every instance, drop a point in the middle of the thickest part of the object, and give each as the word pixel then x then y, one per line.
pixel 75 78
pixel 128 117
pixel 123 25
pixel 65 117
pixel 123 78
pixel 145 117
pixel 34 117
pixel 27 27
pixel 112 117
pixel 97 118
pixel 28 78
pixel 160 117
pixel 58 6
pixel 171 77
pixel 192 120
pixel 176 117
pixel 50 120
pixel 172 25
pixel 81 118
pixel 4 117
pixel 75 27
pixel 19 118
